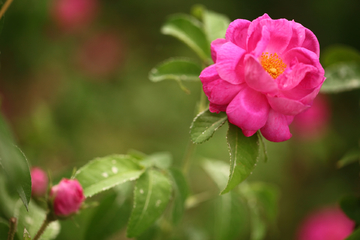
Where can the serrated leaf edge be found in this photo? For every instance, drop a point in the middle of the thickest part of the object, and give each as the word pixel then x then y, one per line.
pixel 192 125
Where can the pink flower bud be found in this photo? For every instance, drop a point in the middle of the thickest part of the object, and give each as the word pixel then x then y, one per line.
pixel 67 197
pixel 325 224
pixel 313 122
pixel 39 182
pixel 74 14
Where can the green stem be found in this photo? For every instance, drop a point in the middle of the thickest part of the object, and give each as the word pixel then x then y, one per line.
pixel 42 228
pixel 186 162
pixel 5 7
pixel 12 228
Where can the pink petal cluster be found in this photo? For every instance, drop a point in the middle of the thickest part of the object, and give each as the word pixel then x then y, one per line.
pixel 39 182
pixel 67 197
pixel 72 15
pixel 313 122
pixel 329 223
pixel 264 73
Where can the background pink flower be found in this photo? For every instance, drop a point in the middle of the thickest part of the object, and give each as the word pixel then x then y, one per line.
pixel 329 223
pixel 313 122
pixel 74 14
pixel 39 182
pixel 67 197
pixel 264 73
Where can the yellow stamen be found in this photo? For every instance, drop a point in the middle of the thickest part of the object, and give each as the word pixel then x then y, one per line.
pixel 272 64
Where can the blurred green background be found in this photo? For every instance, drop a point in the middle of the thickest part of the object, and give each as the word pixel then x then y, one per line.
pixel 73 95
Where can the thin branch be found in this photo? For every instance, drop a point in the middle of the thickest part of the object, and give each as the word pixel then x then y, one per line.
pixel 5 7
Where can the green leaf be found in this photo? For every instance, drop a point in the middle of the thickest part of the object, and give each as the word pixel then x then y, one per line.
pixel 339 53
pixel 267 197
pixel 215 25
pixel 230 217
pixel 14 164
pixel 217 170
pixel 110 216
pixel 181 192
pixel 161 160
pixel 4 227
pixel 189 30
pixel 351 207
pixel 355 235
pixel 262 200
pixel 178 69
pixel 340 77
pixel 205 124
pixel 151 196
pixel 103 173
pixel 350 157
pixel 244 153
pixel 32 221
pixel 229 213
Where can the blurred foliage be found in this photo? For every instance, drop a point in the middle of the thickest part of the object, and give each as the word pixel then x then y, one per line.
pixel 66 107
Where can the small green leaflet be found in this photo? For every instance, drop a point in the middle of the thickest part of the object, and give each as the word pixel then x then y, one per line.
pixel 103 173
pixel 26 235
pixel 244 153
pixel 189 30
pixel 14 163
pixel 178 69
pixel 151 196
pixel 205 124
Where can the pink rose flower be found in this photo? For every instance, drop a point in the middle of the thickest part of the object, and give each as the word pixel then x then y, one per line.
pixel 264 73
pixel 329 223
pixel 313 122
pixel 39 182
pixel 67 197
pixel 74 14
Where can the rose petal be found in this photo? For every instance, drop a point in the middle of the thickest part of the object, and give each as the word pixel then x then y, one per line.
pixel 248 133
pixel 209 74
pixel 292 77
pixel 258 41
pixel 228 63
pixel 300 55
pixel 276 128
pixel 257 78
pixel 280 34
pixel 237 32
pixel 248 110
pixel 215 45
pixel 221 92
pixel 297 37
pixel 311 42
pixel 286 106
pixel 217 108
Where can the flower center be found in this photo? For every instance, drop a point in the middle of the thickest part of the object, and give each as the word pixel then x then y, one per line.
pixel 272 64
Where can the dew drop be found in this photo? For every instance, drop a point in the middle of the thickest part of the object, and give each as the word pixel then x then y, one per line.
pixel 114 170
pixel 105 174
pixel 141 191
